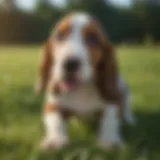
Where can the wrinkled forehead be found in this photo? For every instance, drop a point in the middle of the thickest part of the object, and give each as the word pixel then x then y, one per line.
pixel 80 25
pixel 76 21
pixel 80 20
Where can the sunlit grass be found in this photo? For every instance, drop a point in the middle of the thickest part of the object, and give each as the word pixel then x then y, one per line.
pixel 20 110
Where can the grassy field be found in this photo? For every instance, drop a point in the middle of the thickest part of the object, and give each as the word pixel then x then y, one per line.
pixel 20 110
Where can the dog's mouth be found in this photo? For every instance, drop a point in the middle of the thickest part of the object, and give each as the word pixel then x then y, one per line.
pixel 70 83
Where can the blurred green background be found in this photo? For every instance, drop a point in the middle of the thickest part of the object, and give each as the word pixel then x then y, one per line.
pixel 126 21
pixel 134 29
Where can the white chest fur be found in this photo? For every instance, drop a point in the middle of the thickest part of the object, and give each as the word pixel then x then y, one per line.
pixel 83 101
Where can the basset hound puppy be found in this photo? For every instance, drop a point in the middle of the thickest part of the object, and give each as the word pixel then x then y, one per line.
pixel 79 72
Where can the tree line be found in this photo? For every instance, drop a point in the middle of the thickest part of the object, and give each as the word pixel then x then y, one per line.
pixel 134 24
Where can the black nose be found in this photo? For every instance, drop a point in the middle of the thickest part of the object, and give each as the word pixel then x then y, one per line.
pixel 72 65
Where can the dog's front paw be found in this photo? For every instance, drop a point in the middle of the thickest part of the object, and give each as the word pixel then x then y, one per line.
pixel 49 143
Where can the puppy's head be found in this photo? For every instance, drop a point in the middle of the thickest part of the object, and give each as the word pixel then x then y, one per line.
pixel 76 53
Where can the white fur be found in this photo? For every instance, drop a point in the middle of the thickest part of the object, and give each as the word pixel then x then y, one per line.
pixel 56 135
pixel 54 125
pixel 73 47
pixel 128 115
pixel 110 127
pixel 84 101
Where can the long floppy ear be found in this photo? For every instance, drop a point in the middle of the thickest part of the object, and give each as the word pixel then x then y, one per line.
pixel 107 74
pixel 45 68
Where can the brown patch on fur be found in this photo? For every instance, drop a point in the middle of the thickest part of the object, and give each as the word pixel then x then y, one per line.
pixel 51 108
pixel 53 88
pixel 46 63
pixel 107 78
pixel 45 67
pixel 54 108
pixel 95 50
pixel 63 27
pixel 105 65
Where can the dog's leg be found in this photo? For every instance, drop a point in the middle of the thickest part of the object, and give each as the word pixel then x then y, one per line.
pixel 110 127
pixel 126 102
pixel 55 125
pixel 128 114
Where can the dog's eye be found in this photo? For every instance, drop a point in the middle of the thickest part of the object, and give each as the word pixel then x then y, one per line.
pixel 60 36
pixel 92 39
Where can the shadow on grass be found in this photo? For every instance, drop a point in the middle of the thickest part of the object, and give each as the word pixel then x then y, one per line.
pixel 143 138
pixel 146 131
pixel 142 142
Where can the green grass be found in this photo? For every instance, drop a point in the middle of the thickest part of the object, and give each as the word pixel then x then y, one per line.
pixel 21 111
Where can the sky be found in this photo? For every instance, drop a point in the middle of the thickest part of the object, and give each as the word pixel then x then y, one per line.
pixel 121 2
pixel 30 4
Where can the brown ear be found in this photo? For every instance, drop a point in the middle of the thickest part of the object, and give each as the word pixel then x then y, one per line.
pixel 45 68
pixel 107 75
